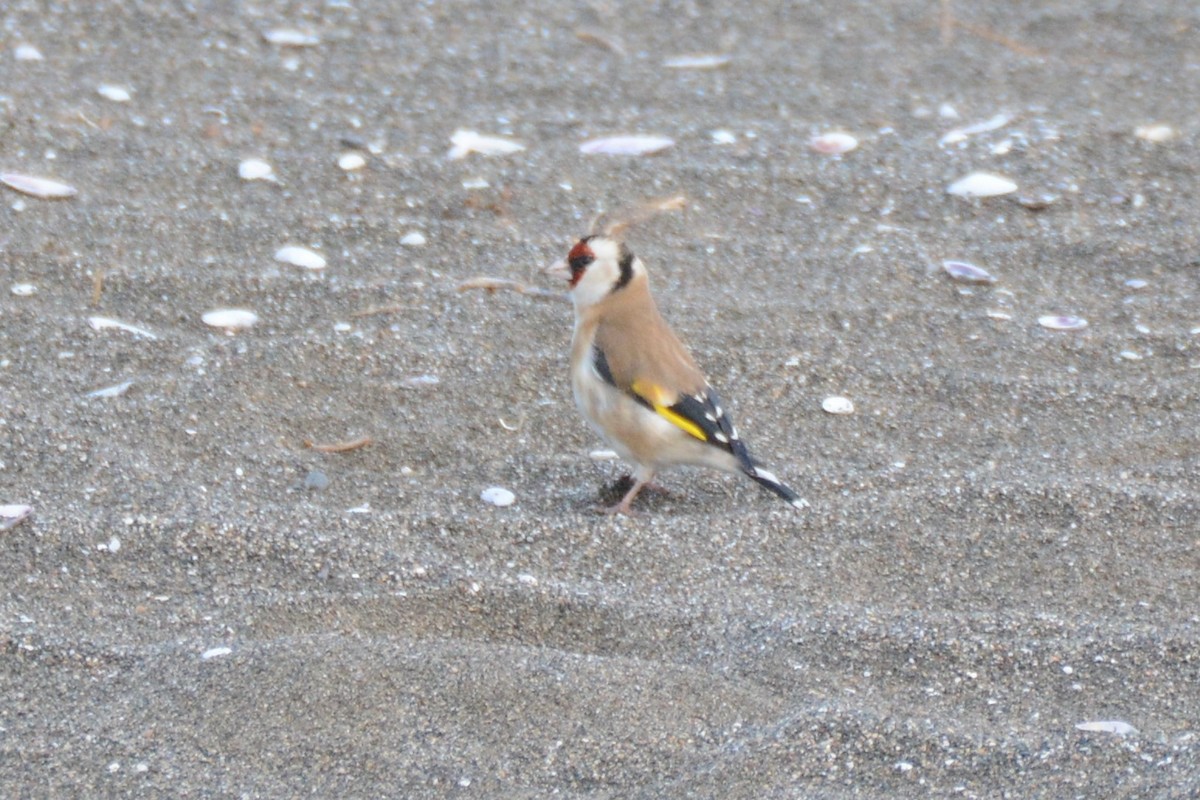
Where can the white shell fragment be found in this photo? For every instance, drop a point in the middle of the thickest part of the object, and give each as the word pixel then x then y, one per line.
pixel 116 390
pixel 967 273
pixel 1113 726
pixel 723 136
pixel 23 289
pixel 700 61
pixel 420 381
pixel 107 323
pixel 13 515
pixel 289 37
pixel 215 652
pixel 1064 322
pixel 960 134
pixel 466 142
pixel 45 188
pixel 603 455
pixel 118 94
pixel 1155 133
pixel 300 257
pixel 27 52
pixel 230 319
pixel 497 496
pixel 837 405
pixel 626 145
pixel 1132 283
pixel 349 162
pixel 413 239
pixel 256 169
pixel 981 184
pixel 834 143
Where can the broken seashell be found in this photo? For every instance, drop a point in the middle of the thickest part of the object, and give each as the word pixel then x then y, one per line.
pixel 1113 726
pixel 413 239
pixel 1155 133
pixel 12 515
pixel 634 145
pixel 699 61
pixel 834 143
pixel 23 289
pixel 837 405
pixel 1132 283
pixel 116 390
pixel 256 169
pixel 27 52
pixel 230 319
pixel 118 94
pixel 723 136
pixel 351 161
pixel 967 273
pixel 1064 322
pixel 497 496
pixel 105 323
pixel 300 257
pixel 466 142
pixel 45 188
pixel 289 37
pixel 960 134
pixel 215 652
pixel 981 184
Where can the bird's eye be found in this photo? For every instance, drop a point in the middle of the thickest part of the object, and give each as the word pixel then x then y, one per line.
pixel 579 258
pixel 580 262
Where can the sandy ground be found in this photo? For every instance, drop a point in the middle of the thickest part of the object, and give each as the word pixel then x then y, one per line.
pixel 1002 539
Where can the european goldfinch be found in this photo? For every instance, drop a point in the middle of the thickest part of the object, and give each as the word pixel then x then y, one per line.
pixel 634 380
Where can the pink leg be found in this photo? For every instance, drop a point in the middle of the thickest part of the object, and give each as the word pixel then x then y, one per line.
pixel 641 477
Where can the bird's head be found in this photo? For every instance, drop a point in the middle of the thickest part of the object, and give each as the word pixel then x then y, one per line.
pixel 596 267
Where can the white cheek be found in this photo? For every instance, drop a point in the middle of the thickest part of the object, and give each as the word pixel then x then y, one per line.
pixel 594 286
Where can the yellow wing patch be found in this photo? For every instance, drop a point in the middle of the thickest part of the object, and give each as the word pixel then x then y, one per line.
pixel 660 400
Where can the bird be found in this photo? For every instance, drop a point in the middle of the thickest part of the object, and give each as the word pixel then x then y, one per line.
pixel 636 383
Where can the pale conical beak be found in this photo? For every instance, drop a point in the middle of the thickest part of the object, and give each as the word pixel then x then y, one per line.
pixel 559 269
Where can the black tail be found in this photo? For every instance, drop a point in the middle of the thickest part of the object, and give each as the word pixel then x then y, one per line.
pixel 769 482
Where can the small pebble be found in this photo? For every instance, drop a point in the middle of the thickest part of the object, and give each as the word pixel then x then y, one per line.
pixel 351 161
pixel 256 169
pixel 497 496
pixel 316 480
pixel 834 143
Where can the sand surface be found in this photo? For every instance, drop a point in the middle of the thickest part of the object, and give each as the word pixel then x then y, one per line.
pixel 1002 538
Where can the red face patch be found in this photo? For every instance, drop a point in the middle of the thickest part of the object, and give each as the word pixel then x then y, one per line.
pixel 579 258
